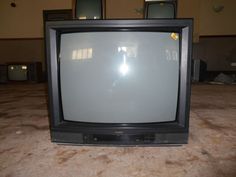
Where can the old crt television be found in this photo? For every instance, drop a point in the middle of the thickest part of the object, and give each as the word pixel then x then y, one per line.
pixel 119 82
pixel 17 72
pixel 24 71
pixel 160 8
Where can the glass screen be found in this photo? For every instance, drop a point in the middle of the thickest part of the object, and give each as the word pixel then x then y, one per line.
pixel 161 10
pixel 88 9
pixel 119 77
pixel 17 72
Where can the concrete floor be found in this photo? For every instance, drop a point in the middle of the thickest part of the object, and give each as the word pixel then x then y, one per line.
pixel 26 150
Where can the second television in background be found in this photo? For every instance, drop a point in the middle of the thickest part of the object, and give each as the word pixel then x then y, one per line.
pixel 160 9
pixel 89 9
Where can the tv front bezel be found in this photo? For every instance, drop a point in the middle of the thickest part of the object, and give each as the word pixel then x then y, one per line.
pixel 62 131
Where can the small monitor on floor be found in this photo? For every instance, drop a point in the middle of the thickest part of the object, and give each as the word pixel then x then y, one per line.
pixel 17 72
pixel 24 71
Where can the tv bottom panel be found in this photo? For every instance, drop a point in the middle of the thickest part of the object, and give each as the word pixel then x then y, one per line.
pixel 152 139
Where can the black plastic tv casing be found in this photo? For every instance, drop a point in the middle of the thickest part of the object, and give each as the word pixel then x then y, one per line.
pixel 119 134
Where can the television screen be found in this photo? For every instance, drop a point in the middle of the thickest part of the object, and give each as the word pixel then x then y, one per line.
pixel 160 10
pixel 123 82
pixel 119 77
pixel 17 72
pixel 88 9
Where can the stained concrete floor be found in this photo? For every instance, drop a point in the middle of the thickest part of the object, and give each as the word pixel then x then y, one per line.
pixel 26 150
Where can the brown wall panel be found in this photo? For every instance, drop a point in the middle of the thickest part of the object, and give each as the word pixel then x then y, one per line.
pixel 219 52
pixel 124 9
pixel 20 50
